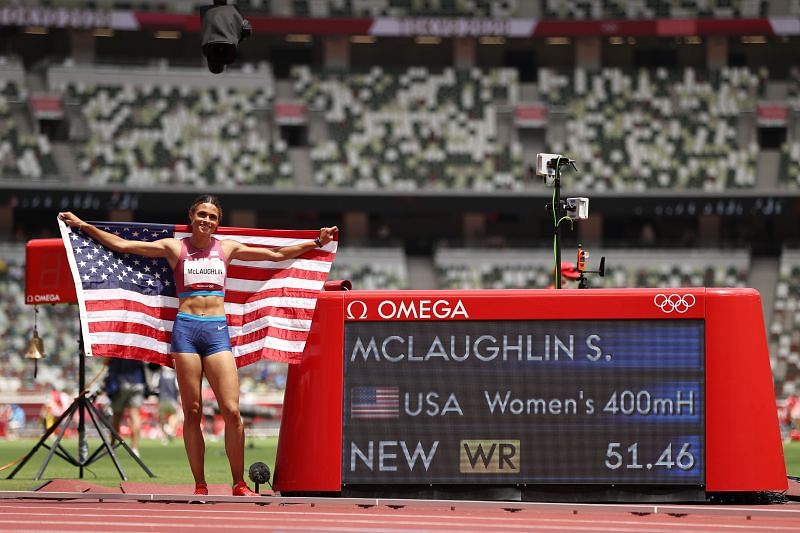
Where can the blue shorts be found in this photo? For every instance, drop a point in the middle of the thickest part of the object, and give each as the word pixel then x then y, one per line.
pixel 203 335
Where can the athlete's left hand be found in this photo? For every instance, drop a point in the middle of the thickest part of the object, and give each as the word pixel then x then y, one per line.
pixel 326 235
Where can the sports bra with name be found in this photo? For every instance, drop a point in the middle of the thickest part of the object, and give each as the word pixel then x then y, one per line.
pixel 201 271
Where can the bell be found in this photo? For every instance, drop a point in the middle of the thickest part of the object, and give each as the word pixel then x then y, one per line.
pixel 35 351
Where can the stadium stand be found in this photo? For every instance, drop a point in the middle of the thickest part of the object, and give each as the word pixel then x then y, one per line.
pixel 784 330
pixel 412 130
pixel 57 326
pixel 476 268
pixel 371 268
pixel 23 153
pixel 674 268
pixel 790 164
pixel 175 133
pixel 628 129
pixel 519 269
pixel 789 172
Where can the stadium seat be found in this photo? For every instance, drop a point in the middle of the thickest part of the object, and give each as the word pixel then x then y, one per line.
pixel 784 330
pixel 519 269
pixel 628 130
pixel 22 155
pixel 57 325
pixel 789 173
pixel 157 135
pixel 371 268
pixel 413 129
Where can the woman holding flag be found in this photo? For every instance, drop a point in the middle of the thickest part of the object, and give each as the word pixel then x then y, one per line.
pixel 200 339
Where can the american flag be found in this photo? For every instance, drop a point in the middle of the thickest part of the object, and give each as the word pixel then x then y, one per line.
pixel 128 302
pixel 374 402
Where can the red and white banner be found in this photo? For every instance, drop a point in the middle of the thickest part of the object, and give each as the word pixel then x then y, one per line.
pixel 771 114
pixel 448 27
pixel 530 116
pixel 290 113
pixel 61 17
pixel 47 106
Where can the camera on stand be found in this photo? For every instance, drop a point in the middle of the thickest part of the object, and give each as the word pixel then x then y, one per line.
pixel 577 208
pixel 549 167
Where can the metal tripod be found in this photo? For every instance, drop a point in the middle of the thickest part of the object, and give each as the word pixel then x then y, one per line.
pixel 82 404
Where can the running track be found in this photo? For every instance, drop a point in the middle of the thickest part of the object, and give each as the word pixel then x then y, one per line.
pixel 129 512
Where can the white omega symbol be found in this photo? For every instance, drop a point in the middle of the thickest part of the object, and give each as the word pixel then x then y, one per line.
pixel 350 310
pixel 674 302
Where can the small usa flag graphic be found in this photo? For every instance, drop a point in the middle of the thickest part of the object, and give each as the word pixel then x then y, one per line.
pixel 374 402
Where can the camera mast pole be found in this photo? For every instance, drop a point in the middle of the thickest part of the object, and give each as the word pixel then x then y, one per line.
pixel 557 224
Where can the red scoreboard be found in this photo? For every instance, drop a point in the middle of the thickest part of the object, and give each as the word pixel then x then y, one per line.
pixel 660 392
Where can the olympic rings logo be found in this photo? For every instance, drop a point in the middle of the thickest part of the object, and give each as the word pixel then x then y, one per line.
pixel 680 303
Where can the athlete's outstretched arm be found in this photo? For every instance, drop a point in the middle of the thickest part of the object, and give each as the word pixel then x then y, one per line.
pixel 167 248
pixel 243 252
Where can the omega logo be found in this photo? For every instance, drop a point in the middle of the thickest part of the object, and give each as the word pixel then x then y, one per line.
pixel 357 305
pixel 414 309
pixel 40 298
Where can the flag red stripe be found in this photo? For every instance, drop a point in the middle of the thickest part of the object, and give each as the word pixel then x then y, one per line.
pixel 278 333
pixel 163 313
pixel 280 356
pixel 241 297
pixel 132 352
pixel 264 274
pixel 279 312
pixel 130 328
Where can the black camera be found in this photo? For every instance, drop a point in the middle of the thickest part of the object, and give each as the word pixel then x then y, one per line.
pixel 223 28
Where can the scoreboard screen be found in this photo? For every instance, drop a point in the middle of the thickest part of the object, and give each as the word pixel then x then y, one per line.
pixel 524 401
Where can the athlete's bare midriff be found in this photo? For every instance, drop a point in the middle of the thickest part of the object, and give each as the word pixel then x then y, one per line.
pixel 202 305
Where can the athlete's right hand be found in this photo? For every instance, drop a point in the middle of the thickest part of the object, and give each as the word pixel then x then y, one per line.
pixel 70 219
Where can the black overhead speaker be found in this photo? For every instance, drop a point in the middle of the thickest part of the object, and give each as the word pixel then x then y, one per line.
pixel 223 28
